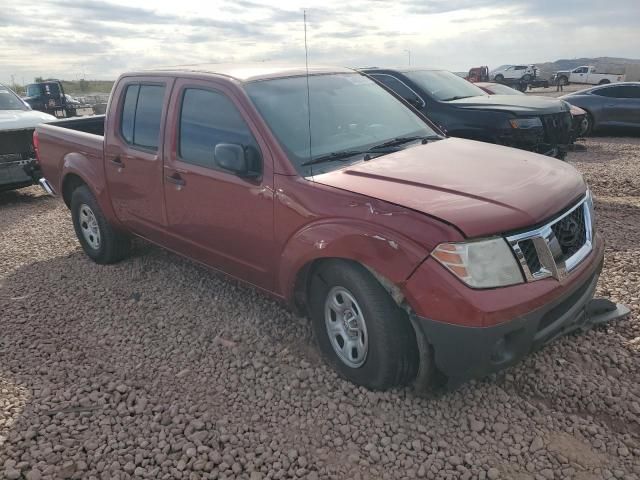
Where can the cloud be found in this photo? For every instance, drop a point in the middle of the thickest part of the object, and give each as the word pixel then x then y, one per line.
pixel 109 36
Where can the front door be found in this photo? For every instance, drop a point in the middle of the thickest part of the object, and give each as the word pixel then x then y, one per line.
pixel 133 153
pixel 216 216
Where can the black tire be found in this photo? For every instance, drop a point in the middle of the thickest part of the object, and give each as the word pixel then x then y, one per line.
pixel 499 78
pixel 526 77
pixel 392 356
pixel 604 81
pixel 112 246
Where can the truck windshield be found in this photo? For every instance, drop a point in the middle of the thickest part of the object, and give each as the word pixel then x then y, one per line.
pixel 443 85
pixel 10 101
pixel 34 90
pixel 349 113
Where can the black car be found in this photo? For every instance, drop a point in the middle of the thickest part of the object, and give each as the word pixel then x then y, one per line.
pixel 538 124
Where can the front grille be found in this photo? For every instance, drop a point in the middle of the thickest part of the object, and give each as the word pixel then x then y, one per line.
pixel 571 233
pixel 556 248
pixel 557 128
pixel 530 255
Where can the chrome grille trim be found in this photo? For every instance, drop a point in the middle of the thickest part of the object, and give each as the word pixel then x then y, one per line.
pixel 548 248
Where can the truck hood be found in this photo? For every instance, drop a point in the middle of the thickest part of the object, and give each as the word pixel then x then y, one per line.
pixel 480 188
pixel 518 104
pixel 16 119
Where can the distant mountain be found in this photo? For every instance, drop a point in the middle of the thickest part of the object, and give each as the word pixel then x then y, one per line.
pixel 602 64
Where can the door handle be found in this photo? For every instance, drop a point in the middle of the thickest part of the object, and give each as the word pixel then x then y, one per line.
pixel 176 179
pixel 117 162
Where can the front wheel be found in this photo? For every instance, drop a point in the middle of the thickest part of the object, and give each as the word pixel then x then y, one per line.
pixel 360 330
pixel 586 126
pixel 99 240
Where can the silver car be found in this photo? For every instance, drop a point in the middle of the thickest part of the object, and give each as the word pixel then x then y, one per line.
pixel 613 105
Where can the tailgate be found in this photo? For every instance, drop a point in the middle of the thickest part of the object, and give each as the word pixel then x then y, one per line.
pixel 17 157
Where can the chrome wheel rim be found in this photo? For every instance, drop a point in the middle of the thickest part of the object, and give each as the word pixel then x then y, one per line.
pixel 89 226
pixel 346 327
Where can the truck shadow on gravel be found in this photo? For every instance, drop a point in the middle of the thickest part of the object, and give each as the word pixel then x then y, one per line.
pixel 30 195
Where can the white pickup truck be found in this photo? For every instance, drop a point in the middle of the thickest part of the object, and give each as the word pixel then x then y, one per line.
pixel 18 165
pixel 586 74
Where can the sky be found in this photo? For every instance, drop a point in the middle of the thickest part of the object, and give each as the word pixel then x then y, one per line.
pixel 99 39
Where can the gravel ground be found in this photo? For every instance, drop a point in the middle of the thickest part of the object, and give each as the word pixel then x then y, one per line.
pixel 156 368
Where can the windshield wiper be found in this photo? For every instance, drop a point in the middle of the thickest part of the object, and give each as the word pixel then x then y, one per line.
pixel 401 140
pixel 377 150
pixel 458 97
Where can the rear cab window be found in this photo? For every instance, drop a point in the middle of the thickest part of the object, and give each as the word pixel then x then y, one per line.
pixel 141 115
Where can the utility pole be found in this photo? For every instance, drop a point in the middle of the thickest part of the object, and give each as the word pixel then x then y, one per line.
pixel 409 53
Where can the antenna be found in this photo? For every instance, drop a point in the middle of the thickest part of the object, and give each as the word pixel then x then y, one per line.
pixel 306 61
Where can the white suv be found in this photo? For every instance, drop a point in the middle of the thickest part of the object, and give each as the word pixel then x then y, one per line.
pixel 514 72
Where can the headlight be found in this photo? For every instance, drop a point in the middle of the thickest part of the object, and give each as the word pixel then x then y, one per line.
pixel 592 213
pixel 480 264
pixel 524 123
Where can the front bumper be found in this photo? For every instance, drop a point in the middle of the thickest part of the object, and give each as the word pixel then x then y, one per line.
pixel 463 352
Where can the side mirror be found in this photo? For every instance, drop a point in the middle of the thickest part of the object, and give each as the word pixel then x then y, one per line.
pixel 235 158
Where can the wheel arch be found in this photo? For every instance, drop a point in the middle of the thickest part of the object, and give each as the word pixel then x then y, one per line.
pixel 70 182
pixel 389 256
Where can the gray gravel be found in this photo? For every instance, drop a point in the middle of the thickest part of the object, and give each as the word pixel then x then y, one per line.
pixel 156 368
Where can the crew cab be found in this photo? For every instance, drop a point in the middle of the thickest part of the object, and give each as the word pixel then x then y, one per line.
pixel 539 124
pixel 586 74
pixel 18 165
pixel 411 253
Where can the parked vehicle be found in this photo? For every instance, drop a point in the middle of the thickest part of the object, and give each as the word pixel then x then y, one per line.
pixel 410 252
pixel 538 124
pixel 585 74
pixel 478 74
pixel 580 122
pixel 18 165
pixel 514 72
pixel 49 97
pixel 615 105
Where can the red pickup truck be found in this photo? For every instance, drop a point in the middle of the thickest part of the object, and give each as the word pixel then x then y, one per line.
pixel 416 256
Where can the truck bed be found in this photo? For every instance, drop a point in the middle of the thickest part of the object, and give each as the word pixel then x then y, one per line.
pixel 76 143
pixel 93 124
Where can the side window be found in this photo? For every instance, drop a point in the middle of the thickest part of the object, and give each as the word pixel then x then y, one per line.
pixel 141 114
pixel 208 118
pixel 129 112
pixel 397 86
pixel 612 92
pixel 633 91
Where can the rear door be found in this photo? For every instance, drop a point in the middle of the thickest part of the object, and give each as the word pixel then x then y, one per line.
pixel 629 107
pixel 617 108
pixel 215 216
pixel 133 153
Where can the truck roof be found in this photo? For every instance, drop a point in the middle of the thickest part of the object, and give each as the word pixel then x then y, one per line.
pixel 249 72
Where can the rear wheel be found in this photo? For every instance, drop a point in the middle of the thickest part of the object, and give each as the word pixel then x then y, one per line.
pixel 360 330
pixel 99 240
pixel 499 77
pixel 604 81
pixel 526 77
